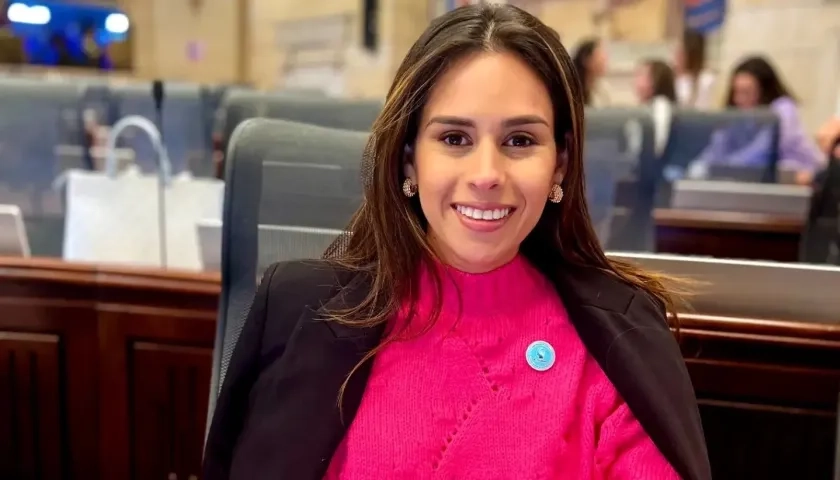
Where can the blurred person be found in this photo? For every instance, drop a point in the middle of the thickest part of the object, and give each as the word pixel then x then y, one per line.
pixel 472 326
pixel 828 137
pixel 694 83
pixel 590 62
pixel 654 79
pixel 60 54
pixel 754 83
pixel 95 51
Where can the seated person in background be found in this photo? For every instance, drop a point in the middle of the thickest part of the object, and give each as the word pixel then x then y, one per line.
pixel 473 327
pixel 755 83
pixel 655 79
pixel 694 84
pixel 590 61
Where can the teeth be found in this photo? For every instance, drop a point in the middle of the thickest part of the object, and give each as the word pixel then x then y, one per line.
pixel 477 214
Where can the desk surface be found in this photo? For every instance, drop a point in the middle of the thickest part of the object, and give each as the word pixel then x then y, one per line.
pixel 721 220
pixel 58 271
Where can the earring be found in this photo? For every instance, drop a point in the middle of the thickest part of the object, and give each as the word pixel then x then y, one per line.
pixel 556 193
pixel 409 188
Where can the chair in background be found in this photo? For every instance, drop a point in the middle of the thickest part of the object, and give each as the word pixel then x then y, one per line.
pixel 325 111
pixel 183 130
pixel 305 107
pixel 621 167
pixel 317 201
pixel 238 105
pixel 39 122
pixel 692 131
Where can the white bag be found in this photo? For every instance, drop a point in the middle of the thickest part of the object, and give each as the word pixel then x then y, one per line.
pixel 116 220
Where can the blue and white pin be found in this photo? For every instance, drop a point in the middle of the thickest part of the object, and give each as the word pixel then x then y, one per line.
pixel 540 355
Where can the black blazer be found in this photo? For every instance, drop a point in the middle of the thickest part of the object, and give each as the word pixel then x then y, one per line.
pixel 277 415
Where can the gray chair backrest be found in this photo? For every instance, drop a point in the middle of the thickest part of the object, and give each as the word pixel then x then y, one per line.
pixel 268 183
pixel 621 169
pixel 36 118
pixel 692 132
pixel 184 132
pixel 325 111
pixel 239 105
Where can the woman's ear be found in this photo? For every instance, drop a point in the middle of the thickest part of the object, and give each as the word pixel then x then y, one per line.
pixel 562 159
pixel 408 164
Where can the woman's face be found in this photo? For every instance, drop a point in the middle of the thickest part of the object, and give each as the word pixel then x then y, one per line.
pixel 746 93
pixel 644 84
pixel 598 62
pixel 484 160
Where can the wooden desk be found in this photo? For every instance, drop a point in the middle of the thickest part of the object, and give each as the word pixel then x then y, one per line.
pixel 768 393
pixel 104 374
pixel 748 236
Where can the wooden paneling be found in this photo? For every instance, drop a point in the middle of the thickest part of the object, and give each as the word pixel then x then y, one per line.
pixel 106 371
pixel 30 397
pixel 170 387
pixel 118 362
pixel 768 394
pixel 728 234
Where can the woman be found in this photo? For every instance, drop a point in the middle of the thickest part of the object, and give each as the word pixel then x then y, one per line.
pixel 755 83
pixel 694 84
pixel 472 327
pixel 655 79
pixel 590 62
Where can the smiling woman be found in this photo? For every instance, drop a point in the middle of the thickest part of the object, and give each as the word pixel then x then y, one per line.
pixel 471 327
pixel 485 159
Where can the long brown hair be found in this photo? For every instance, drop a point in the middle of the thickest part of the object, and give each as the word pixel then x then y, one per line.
pixel 694 51
pixel 769 82
pixel 662 79
pixel 388 241
pixel 581 60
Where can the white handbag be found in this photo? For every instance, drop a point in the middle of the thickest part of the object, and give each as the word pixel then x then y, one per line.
pixel 117 218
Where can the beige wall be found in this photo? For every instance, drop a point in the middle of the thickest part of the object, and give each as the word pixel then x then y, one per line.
pixel 801 36
pixel 164 29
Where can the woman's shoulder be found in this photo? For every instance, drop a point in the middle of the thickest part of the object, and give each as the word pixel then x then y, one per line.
pixel 784 104
pixel 303 282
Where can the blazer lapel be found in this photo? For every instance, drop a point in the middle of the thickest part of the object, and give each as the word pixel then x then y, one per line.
pixel 324 354
pixel 626 334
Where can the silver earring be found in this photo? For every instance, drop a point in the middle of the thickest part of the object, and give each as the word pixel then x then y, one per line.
pixel 556 193
pixel 409 188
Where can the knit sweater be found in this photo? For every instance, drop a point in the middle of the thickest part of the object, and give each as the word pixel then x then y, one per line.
pixel 459 400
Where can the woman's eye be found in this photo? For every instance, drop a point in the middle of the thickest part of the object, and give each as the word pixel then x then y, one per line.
pixel 519 141
pixel 454 140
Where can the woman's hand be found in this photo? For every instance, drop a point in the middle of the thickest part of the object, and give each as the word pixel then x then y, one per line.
pixel 804 177
pixel 828 135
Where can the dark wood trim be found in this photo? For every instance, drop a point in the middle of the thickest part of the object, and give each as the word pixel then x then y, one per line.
pixel 749 236
pixel 722 220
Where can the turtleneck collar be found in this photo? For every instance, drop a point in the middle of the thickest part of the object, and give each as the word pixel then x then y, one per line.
pixel 504 290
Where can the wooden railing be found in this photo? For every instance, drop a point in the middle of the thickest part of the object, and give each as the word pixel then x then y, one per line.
pixel 104 373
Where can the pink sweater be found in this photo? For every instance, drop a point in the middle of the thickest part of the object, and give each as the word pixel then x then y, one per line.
pixel 460 401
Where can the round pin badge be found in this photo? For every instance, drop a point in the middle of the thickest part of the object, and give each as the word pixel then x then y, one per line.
pixel 540 355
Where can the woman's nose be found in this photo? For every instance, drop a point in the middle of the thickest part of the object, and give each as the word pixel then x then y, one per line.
pixel 487 168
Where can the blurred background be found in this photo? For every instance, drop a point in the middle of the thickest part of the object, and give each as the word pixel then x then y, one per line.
pixel 275 44
pixel 157 155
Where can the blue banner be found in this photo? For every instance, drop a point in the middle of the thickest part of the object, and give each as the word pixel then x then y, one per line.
pixel 704 16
